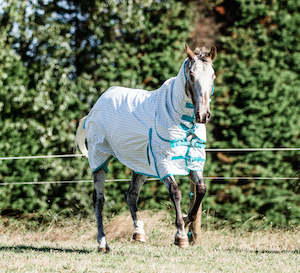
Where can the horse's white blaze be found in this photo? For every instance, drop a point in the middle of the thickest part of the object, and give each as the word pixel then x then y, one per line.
pixel 204 75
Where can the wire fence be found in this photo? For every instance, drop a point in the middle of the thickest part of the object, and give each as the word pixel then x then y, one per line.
pixel 149 179
pixel 207 150
pixel 40 156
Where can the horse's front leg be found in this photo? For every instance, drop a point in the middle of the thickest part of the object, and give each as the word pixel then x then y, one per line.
pixel 132 197
pixel 194 216
pixel 98 198
pixel 181 238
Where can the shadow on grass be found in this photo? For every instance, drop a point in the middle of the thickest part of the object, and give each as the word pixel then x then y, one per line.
pixel 262 251
pixel 23 248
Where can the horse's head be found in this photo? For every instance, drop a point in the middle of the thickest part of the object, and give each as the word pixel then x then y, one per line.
pixel 200 77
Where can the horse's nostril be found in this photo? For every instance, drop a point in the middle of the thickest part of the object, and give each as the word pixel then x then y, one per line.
pixel 208 115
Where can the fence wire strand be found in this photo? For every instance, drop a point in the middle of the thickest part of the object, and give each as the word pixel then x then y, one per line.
pixel 40 156
pixel 149 179
pixel 207 150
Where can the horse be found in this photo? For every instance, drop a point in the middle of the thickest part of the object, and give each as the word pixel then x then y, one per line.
pixel 158 133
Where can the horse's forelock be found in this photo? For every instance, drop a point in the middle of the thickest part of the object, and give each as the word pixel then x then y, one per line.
pixel 203 54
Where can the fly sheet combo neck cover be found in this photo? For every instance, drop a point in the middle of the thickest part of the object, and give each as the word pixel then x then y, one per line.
pixel 153 133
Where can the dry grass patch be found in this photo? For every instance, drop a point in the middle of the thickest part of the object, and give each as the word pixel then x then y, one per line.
pixel 156 225
pixel 70 246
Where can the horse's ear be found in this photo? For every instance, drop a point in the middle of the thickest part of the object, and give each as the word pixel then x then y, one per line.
pixel 189 52
pixel 213 53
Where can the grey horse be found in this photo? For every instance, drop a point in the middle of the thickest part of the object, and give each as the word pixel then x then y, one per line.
pixel 159 133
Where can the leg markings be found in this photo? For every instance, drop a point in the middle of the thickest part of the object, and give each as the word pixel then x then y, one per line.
pixel 98 198
pixel 132 197
pixel 181 238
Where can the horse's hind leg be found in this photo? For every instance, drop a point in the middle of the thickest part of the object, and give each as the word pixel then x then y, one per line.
pixel 98 198
pixel 132 197
pixel 181 238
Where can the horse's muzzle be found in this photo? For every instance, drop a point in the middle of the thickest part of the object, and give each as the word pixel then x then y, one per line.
pixel 204 118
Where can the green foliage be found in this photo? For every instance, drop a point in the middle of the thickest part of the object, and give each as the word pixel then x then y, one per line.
pixel 257 105
pixel 40 105
pixel 57 57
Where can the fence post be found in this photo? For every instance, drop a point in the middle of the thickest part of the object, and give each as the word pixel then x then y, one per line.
pixel 195 227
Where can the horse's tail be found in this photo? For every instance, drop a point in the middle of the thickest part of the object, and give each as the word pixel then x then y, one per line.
pixel 80 137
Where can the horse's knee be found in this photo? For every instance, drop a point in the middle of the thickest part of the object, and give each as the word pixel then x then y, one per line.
pixel 201 189
pixel 132 194
pixel 175 191
pixel 131 197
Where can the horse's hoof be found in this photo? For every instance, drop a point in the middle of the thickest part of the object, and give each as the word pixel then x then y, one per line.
pixel 103 249
pixel 139 237
pixel 181 242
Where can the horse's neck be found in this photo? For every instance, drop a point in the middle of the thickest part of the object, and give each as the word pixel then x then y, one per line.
pixel 173 107
pixel 171 102
pixel 180 98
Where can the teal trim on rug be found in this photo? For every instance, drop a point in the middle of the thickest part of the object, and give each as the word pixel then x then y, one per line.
pixel 169 174
pixel 202 140
pixel 84 123
pixel 171 140
pixel 189 105
pixel 187 155
pixel 188 158
pixel 164 139
pixel 103 165
pixel 191 131
pixel 155 163
pixel 187 118
pixel 187 143
pixel 151 175
pixel 183 127
pixel 197 170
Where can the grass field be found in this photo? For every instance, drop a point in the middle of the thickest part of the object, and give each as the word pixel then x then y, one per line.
pixel 69 246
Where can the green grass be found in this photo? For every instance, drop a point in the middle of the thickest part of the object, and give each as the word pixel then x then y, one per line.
pixel 69 245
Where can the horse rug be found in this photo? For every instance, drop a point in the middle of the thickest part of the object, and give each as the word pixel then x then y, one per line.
pixel 152 132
